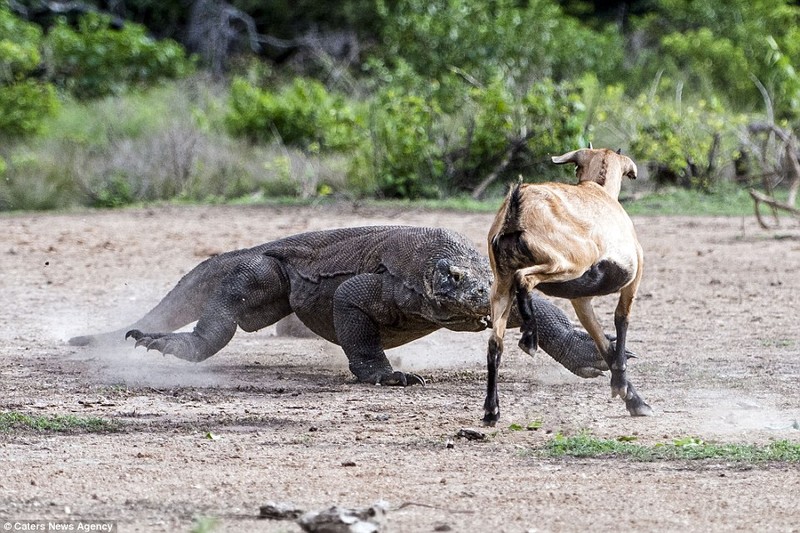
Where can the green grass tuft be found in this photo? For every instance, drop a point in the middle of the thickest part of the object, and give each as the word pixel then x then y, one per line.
pixel 13 420
pixel 689 448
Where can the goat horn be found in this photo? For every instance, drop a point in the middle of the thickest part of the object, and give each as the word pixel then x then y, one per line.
pixel 575 156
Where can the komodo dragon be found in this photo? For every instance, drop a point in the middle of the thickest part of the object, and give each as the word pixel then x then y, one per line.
pixel 366 289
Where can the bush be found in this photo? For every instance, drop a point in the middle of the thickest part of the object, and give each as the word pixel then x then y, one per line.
pixel 716 49
pixel 401 157
pixel 524 42
pixel 97 60
pixel 25 102
pixel 24 105
pixel 509 135
pixel 303 114
pixel 682 143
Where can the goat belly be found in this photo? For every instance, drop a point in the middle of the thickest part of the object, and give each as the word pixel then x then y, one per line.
pixel 604 277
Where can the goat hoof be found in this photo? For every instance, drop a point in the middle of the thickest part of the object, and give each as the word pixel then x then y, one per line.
pixel 620 390
pixel 638 407
pixel 490 418
pixel 529 342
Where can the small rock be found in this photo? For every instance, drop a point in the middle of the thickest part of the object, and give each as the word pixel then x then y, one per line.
pixel 471 434
pixel 342 520
pixel 449 444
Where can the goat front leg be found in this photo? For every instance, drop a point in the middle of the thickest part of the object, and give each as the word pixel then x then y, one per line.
pixel 501 308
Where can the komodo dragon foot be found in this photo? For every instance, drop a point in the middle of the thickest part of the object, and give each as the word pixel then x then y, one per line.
pixel 182 345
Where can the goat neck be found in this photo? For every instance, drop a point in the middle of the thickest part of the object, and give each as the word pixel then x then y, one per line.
pixel 602 166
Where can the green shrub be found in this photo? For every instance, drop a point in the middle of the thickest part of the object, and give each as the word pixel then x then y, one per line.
pixel 522 41
pixel 97 60
pixel 717 49
pixel 25 102
pixel 303 114
pixel 683 143
pixel 401 158
pixel 24 105
pixel 513 134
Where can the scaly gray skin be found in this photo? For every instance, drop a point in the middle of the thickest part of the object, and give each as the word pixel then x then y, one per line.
pixel 366 289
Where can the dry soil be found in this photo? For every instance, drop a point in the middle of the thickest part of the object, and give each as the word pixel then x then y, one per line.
pixel 279 419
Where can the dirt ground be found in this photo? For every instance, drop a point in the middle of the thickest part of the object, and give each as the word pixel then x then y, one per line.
pixel 715 327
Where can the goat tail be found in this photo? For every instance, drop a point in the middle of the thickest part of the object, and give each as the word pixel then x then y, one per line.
pixel 506 242
pixel 512 209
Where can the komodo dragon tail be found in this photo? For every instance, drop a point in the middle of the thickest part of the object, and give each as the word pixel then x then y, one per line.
pixel 181 306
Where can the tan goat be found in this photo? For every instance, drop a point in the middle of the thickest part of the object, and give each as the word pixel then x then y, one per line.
pixel 568 241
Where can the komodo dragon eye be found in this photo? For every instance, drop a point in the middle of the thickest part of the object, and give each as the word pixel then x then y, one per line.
pixel 456 274
pixel 450 273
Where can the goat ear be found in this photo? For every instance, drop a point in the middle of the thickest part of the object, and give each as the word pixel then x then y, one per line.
pixel 631 172
pixel 619 151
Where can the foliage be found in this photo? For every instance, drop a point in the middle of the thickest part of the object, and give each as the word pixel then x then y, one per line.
pixel 121 150
pixel 717 49
pixel 402 158
pixel 500 128
pixel 439 98
pixel 523 41
pixel 303 114
pixel 24 101
pixel 24 105
pixel 95 59
pixel 685 143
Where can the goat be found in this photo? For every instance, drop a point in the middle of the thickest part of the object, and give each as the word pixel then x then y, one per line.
pixel 571 241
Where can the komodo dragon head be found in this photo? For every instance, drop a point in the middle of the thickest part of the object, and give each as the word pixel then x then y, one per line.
pixel 458 286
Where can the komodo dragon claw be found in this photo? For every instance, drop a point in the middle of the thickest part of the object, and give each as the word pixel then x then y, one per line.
pixel 402 379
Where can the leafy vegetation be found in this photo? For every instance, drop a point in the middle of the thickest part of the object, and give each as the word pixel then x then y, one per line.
pixel 95 60
pixel 13 420
pixel 24 100
pixel 688 448
pixel 368 98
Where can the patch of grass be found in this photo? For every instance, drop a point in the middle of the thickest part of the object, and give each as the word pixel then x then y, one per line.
pixel 688 448
pixel 727 201
pixel 778 343
pixel 204 524
pixel 14 420
pixel 724 200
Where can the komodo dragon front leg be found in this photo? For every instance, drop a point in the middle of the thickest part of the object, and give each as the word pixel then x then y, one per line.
pixel 363 312
pixel 253 296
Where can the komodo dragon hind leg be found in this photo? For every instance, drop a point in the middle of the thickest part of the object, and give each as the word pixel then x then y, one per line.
pixel 357 307
pixel 253 296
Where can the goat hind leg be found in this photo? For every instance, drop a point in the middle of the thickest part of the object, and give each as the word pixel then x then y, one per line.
pixel 501 308
pixel 529 342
